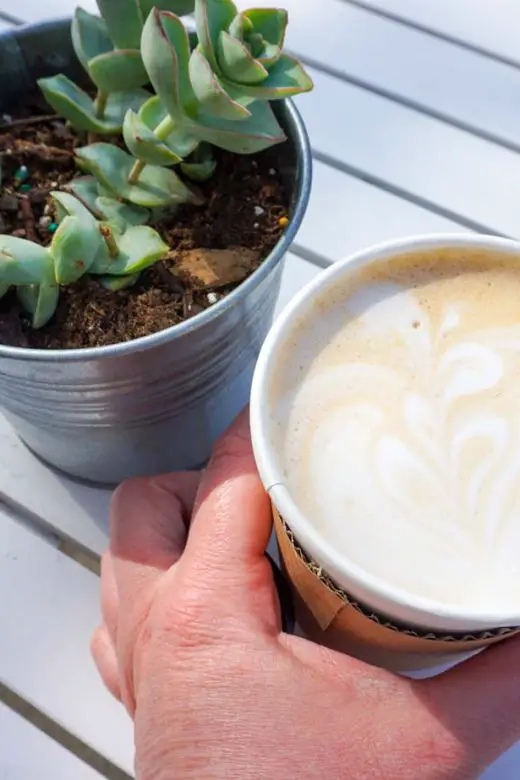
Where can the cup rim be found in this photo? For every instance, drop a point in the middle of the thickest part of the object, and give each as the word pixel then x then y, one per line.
pixel 396 602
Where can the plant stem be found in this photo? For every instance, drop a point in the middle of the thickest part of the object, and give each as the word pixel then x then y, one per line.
pixel 100 104
pixel 137 169
pixel 113 249
pixel 164 128
pixel 162 131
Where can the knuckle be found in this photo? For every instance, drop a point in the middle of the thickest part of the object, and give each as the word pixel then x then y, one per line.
pixel 190 620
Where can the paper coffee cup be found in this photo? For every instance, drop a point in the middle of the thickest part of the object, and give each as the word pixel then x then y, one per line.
pixel 338 604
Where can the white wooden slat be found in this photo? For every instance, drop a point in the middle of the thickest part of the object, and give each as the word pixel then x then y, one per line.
pixel 346 214
pixel 488 24
pixel 446 166
pixel 48 610
pixel 35 11
pixel 68 507
pixel 26 753
pixel 453 82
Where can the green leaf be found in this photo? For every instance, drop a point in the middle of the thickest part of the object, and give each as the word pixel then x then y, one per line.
pixel 211 18
pixel 199 171
pixel 165 48
pixel 144 144
pixel 68 205
pixel 210 92
pixel 24 262
pixel 118 70
pixel 177 7
pixel 74 104
pixel 139 247
pixel 247 136
pixel 85 189
pixel 116 283
pixel 121 214
pixel 236 62
pixel 270 23
pixel 180 140
pixel 40 301
pixel 124 21
pixel 89 37
pixel 287 77
pixel 201 166
pixel 112 166
pixel 74 247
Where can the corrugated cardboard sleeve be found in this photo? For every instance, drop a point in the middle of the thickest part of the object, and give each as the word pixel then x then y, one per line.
pixel 332 618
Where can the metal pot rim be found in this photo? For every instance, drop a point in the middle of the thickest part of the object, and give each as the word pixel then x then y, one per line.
pixel 301 141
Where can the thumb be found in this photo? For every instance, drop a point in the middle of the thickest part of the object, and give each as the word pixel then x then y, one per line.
pixel 231 525
pixel 479 701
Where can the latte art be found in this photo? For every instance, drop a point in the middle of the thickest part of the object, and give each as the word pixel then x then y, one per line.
pixel 400 417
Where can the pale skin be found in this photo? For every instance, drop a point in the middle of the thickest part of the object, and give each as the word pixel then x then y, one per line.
pixel 192 645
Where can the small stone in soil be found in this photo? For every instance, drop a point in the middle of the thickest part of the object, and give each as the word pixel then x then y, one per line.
pixel 44 221
pixel 212 298
pixel 217 267
pixel 259 211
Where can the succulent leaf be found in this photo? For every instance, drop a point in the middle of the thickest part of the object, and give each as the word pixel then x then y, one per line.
pixel 199 171
pixel 247 136
pixel 287 77
pixel 177 7
pixel 144 144
pixel 121 214
pixel 84 189
pixel 137 248
pixel 210 93
pixel 74 248
pixel 24 262
pixel 118 70
pixel 211 18
pixel 270 23
pixel 237 62
pixel 124 21
pixel 116 283
pixel 40 301
pixel 165 48
pixel 180 141
pixel 89 37
pixel 75 105
pixel 112 166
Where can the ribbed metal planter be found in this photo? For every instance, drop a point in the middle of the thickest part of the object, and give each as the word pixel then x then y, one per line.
pixel 156 403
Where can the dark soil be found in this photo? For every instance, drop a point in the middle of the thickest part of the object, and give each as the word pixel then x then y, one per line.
pixel 245 210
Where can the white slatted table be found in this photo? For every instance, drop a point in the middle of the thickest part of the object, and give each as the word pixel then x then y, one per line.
pixel 415 127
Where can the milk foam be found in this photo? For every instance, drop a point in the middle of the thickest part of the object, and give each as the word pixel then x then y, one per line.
pixel 399 414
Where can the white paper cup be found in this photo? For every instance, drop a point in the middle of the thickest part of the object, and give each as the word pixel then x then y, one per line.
pixel 338 603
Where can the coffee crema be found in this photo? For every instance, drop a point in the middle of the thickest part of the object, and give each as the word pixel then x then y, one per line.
pixel 398 418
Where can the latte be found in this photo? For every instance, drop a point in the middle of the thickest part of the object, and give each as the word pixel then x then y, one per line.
pixel 396 421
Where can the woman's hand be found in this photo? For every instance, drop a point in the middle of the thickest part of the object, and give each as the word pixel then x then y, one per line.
pixel 192 645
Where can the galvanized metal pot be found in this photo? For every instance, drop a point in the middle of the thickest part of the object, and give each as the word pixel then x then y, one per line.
pixel 157 403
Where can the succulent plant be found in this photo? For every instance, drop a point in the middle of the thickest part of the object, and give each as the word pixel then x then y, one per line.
pixel 96 235
pixel 109 50
pixel 217 94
